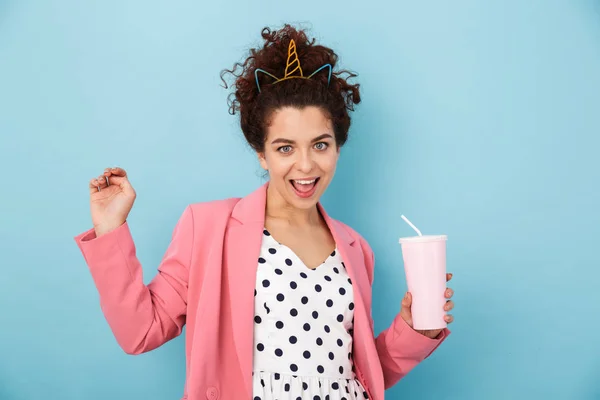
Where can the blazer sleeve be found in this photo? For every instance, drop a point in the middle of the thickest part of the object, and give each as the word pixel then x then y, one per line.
pixel 141 317
pixel 400 347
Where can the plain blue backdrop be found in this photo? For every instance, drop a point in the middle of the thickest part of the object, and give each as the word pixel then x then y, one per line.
pixel 480 120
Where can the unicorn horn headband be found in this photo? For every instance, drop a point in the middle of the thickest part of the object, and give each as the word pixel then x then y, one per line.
pixel 292 68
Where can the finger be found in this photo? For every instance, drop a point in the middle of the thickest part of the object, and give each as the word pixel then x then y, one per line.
pixel 97 184
pixel 102 181
pixel 118 171
pixel 118 180
pixel 407 300
pixel 405 312
pixel 449 318
pixel 449 305
pixel 448 277
pixel 449 293
pixel 93 186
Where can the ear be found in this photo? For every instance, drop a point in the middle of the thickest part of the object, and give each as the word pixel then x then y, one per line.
pixel 262 160
pixel 256 71
pixel 328 66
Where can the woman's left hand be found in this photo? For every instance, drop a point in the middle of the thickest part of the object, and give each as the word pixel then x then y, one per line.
pixel 407 316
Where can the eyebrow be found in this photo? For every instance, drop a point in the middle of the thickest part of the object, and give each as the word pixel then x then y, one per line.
pixel 288 141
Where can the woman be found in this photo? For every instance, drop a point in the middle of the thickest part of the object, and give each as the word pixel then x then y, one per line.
pixel 276 295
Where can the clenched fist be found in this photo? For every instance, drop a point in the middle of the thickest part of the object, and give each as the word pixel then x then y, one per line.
pixel 111 200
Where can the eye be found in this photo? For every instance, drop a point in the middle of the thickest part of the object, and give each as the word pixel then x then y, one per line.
pixel 284 149
pixel 321 146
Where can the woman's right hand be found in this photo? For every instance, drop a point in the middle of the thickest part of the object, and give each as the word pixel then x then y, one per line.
pixel 110 205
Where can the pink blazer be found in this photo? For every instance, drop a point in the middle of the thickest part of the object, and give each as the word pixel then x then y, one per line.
pixel 206 280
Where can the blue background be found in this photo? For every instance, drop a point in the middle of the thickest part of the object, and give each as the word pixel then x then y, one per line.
pixel 480 120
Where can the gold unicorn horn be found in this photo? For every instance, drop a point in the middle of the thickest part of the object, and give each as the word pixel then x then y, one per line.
pixel 292 68
pixel 293 62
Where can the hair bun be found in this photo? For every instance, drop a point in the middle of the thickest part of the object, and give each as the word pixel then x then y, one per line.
pixel 264 82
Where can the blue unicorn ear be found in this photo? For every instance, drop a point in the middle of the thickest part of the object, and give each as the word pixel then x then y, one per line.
pixel 257 70
pixel 320 68
pixel 264 72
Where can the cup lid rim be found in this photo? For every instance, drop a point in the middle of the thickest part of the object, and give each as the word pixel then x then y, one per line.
pixel 424 238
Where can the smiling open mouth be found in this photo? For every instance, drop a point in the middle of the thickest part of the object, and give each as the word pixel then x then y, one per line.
pixel 304 187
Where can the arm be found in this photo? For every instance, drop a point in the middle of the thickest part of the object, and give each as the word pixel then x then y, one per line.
pixel 142 317
pixel 400 347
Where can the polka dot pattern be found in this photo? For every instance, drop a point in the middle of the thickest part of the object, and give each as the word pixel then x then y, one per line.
pixel 303 328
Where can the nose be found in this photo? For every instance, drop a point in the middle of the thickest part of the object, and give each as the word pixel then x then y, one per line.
pixel 304 162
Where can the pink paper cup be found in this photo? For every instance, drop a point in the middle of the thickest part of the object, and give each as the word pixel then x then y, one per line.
pixel 425 269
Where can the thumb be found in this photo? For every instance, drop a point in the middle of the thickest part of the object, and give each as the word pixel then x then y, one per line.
pixel 122 182
pixel 405 310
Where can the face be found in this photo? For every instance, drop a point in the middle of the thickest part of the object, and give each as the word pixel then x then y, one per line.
pixel 300 155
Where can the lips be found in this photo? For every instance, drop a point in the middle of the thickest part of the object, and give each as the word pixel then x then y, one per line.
pixel 304 187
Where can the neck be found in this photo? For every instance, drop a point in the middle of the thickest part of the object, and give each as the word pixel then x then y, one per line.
pixel 277 208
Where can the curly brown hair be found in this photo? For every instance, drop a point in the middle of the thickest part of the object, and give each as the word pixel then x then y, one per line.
pixel 256 107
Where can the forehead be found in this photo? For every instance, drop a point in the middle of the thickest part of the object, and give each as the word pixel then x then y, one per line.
pixel 298 123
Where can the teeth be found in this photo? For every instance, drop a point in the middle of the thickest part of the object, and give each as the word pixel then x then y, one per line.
pixel 305 182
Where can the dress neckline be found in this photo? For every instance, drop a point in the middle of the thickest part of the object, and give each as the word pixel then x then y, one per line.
pixel 273 240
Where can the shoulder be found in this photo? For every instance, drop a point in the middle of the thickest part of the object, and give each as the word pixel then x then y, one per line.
pixel 355 235
pixel 361 242
pixel 200 212
pixel 213 206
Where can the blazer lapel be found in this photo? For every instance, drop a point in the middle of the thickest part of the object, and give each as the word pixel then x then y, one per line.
pixel 363 343
pixel 243 241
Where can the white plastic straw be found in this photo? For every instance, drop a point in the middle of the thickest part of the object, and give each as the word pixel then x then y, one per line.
pixel 411 225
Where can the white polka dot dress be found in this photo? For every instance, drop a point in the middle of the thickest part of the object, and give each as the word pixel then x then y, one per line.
pixel 302 328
